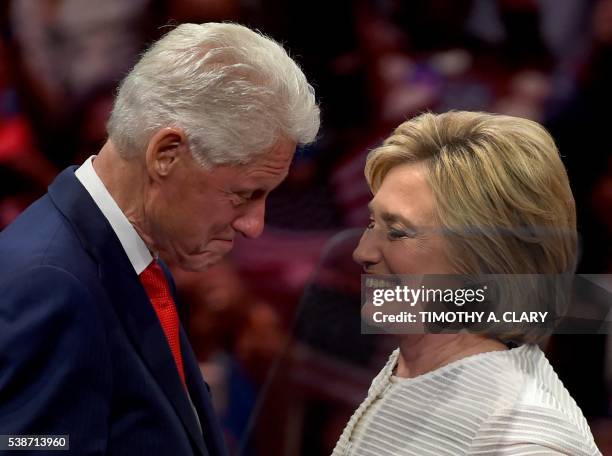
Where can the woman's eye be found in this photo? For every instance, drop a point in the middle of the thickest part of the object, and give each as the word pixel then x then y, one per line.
pixel 370 225
pixel 395 234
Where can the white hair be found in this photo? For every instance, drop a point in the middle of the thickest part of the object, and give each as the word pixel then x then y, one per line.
pixel 233 91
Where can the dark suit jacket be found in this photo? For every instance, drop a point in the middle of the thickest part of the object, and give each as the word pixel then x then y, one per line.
pixel 81 349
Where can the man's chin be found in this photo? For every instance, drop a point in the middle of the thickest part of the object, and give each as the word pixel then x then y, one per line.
pixel 200 262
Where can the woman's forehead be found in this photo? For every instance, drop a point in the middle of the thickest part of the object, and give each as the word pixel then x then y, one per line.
pixel 406 193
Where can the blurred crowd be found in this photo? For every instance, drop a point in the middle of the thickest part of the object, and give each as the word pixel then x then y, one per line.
pixel 275 326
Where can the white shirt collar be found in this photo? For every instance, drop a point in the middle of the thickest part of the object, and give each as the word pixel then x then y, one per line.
pixel 132 243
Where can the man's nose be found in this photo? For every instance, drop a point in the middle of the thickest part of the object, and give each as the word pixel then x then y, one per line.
pixel 251 223
pixel 367 254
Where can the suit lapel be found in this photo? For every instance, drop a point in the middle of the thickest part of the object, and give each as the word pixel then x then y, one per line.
pixel 125 292
pixel 200 396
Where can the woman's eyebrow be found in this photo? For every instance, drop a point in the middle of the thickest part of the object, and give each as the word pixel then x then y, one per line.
pixel 390 218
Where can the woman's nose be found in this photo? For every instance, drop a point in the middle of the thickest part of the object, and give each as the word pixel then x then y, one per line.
pixel 367 254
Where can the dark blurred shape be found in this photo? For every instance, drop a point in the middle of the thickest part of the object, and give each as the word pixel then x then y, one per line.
pixel 24 171
pixel 328 364
pixel 432 24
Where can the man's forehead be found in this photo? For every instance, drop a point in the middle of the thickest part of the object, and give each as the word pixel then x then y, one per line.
pixel 274 163
pixel 269 168
pixel 281 154
pixel 260 176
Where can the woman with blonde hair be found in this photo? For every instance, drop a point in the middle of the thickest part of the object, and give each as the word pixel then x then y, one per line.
pixel 473 194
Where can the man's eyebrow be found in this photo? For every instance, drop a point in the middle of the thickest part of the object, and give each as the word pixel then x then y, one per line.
pixel 250 193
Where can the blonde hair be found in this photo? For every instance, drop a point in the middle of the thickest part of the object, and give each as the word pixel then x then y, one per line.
pixel 503 197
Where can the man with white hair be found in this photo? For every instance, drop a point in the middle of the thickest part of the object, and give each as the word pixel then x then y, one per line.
pixel 203 128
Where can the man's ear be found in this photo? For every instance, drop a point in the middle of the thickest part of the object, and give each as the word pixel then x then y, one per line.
pixel 165 149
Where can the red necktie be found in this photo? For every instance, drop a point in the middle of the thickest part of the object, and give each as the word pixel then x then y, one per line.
pixel 154 282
